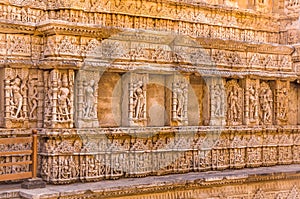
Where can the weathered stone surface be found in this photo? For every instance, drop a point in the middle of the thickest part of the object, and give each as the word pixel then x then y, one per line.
pixel 136 88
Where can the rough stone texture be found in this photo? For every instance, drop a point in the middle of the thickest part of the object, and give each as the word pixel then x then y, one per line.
pixel 137 88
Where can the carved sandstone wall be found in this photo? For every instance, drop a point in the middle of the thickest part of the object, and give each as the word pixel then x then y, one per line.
pixel 136 87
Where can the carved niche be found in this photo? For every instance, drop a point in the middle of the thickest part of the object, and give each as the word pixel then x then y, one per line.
pixel 265 104
pixel 180 101
pixel 58 98
pixel 86 98
pixel 235 96
pixel 137 100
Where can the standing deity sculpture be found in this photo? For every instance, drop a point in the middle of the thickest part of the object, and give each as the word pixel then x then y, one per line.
pixel 253 103
pixel 266 104
pixel 18 89
pixel 89 99
pixel 63 99
pixel 217 101
pixel 234 107
pixel 179 109
pixel 234 103
pixel 138 101
pixel 32 98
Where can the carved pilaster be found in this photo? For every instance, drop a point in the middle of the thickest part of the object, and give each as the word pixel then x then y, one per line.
pixel 59 98
pixel 86 99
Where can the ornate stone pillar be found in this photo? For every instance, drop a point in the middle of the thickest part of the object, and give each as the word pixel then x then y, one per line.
pixel 86 86
pixel 58 101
